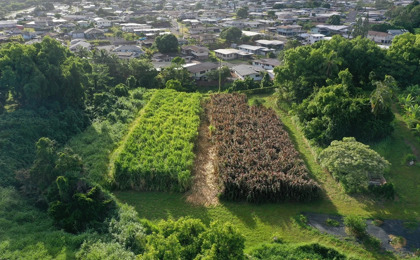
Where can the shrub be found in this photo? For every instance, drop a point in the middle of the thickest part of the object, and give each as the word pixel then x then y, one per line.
pixel 102 250
pixel 386 190
pixel 355 225
pixel 332 222
pixel 409 159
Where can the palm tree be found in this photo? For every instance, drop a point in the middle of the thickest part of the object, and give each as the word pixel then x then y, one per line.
pixel 381 98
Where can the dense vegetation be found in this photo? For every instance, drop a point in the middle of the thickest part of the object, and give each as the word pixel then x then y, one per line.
pixel 277 251
pixel 159 153
pixel 353 163
pixel 341 87
pixel 256 160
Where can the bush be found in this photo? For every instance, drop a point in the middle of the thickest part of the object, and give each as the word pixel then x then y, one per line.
pixel 102 250
pixel 355 225
pixel 332 222
pixel 275 251
pixel 386 190
pixel 409 159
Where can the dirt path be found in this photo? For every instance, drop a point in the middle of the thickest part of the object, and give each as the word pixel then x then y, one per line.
pixel 205 182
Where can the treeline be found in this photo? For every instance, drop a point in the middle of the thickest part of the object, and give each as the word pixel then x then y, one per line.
pixel 340 87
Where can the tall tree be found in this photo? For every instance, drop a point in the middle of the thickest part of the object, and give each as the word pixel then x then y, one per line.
pixel 167 43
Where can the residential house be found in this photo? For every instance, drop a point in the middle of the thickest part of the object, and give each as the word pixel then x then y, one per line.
pixel 315 37
pixel 136 50
pixel 257 50
pixel 77 34
pixel 272 44
pixel 231 54
pixel 8 24
pixel 267 64
pixel 94 33
pixel 200 53
pixel 380 37
pixel 289 30
pixel 80 45
pixel 102 23
pixel 199 71
pixel 242 71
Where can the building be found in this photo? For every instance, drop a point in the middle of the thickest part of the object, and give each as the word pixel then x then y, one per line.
pixel 380 37
pixel 257 50
pixel 80 45
pixel 272 44
pixel 242 71
pixel 129 48
pixel 267 64
pixel 199 53
pixel 231 54
pixel 315 37
pixel 94 33
pixel 289 30
pixel 199 71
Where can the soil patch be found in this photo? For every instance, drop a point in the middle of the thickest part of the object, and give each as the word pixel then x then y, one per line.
pixel 205 186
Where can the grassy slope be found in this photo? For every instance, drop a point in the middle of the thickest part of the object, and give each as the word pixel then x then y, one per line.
pixel 260 223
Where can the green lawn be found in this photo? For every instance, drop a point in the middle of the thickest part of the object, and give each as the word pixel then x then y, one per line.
pixel 259 223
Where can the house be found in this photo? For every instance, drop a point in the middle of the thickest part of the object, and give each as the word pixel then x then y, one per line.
pixel 380 37
pixel 77 34
pixel 315 37
pixel 102 23
pixel 272 44
pixel 267 64
pixel 80 45
pixel 94 33
pixel 8 24
pixel 231 54
pixel 396 32
pixel 207 38
pixel 129 48
pixel 199 71
pixel 330 29
pixel 200 53
pixel 242 71
pixel 257 50
pixel 289 30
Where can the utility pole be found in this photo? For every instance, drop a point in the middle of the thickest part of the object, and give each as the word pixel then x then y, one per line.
pixel 220 74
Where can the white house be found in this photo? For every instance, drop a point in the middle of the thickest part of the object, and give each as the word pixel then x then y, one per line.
pixel 315 37
pixel 80 45
pixel 231 54
pixel 101 22
pixel 267 64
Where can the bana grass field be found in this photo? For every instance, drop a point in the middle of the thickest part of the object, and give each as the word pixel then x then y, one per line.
pixel 261 222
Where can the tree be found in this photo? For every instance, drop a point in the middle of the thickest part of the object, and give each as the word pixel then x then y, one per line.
pixel 222 241
pixel 144 72
pixel 278 6
pixel 231 34
pixel 381 97
pixel 167 43
pixel 333 113
pixel 271 14
pixel 174 84
pixel 223 73
pixel 361 27
pixel 266 81
pixel 242 12
pixel 334 20
pixel 404 56
pixel 353 163
pixel 178 61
